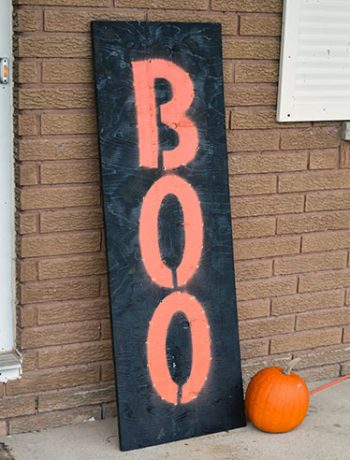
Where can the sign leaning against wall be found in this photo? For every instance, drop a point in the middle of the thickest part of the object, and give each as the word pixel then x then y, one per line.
pixel 168 230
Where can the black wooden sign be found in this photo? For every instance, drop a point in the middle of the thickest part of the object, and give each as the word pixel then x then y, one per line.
pixel 168 230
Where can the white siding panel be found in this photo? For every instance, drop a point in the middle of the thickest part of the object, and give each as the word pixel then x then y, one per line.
pixel 315 61
pixel 6 189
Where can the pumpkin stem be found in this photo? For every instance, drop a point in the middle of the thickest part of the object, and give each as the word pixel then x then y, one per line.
pixel 290 366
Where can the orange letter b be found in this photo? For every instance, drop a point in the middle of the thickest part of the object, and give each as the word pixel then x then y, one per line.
pixel 172 114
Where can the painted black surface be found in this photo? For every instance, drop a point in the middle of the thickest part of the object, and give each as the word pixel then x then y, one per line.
pixel 144 419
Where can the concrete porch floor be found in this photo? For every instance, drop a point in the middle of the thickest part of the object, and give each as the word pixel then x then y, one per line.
pixel 324 435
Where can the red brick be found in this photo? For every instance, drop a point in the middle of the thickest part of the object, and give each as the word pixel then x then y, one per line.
pixel 106 330
pixel 27 316
pixel 104 286
pixel 69 172
pixel 250 48
pixel 107 374
pixel 325 280
pixel 271 204
pixel 345 368
pixel 56 98
pixel 44 45
pixel 313 222
pixel 109 410
pixel 251 367
pixel 60 334
pixel 28 124
pixel 17 406
pixel 73 20
pixel 258 24
pixel 165 4
pixel 228 71
pixel 29 360
pixel 267 162
pixel 324 201
pixel 256 328
pixel 326 241
pixel 323 356
pixel 68 123
pixel 99 3
pixel 254 348
pixel 250 95
pixel 27 223
pixel 344 155
pixel 58 149
pixel 245 270
pixel 306 339
pixel 82 310
pixel 70 220
pixel 266 247
pixel 229 21
pixel 304 302
pixel 346 337
pixel 251 6
pixel 259 72
pixel 323 159
pixel 320 373
pixel 67 70
pixel 253 185
pixel 72 266
pixel 333 317
pixel 53 379
pixel 314 138
pixel 53 419
pixel 70 355
pixel 323 180
pixel 28 71
pixel 28 174
pixel 270 287
pixel 311 263
pixel 253 309
pixel 66 399
pixel 59 244
pixel 58 197
pixel 254 227
pixel 27 270
pixel 3 428
pixel 249 141
pixel 28 20
pixel 256 118
pixel 46 291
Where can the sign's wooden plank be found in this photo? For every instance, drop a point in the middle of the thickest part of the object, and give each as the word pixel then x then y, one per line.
pixel 168 230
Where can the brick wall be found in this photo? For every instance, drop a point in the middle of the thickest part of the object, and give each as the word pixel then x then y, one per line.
pixel 290 201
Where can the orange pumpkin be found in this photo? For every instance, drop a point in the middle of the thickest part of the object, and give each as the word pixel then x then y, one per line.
pixel 277 400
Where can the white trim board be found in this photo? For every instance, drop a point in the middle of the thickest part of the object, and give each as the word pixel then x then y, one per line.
pixel 10 366
pixel 314 81
pixel 7 230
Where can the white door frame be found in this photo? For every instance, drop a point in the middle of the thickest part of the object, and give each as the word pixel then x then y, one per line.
pixel 7 228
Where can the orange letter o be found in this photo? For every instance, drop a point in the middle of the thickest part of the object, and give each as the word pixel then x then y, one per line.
pixel 193 228
pixel 156 347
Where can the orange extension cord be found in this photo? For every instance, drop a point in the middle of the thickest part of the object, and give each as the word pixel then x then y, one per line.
pixel 327 385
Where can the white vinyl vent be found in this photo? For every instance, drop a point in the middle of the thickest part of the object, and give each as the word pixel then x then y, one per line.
pixel 314 81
